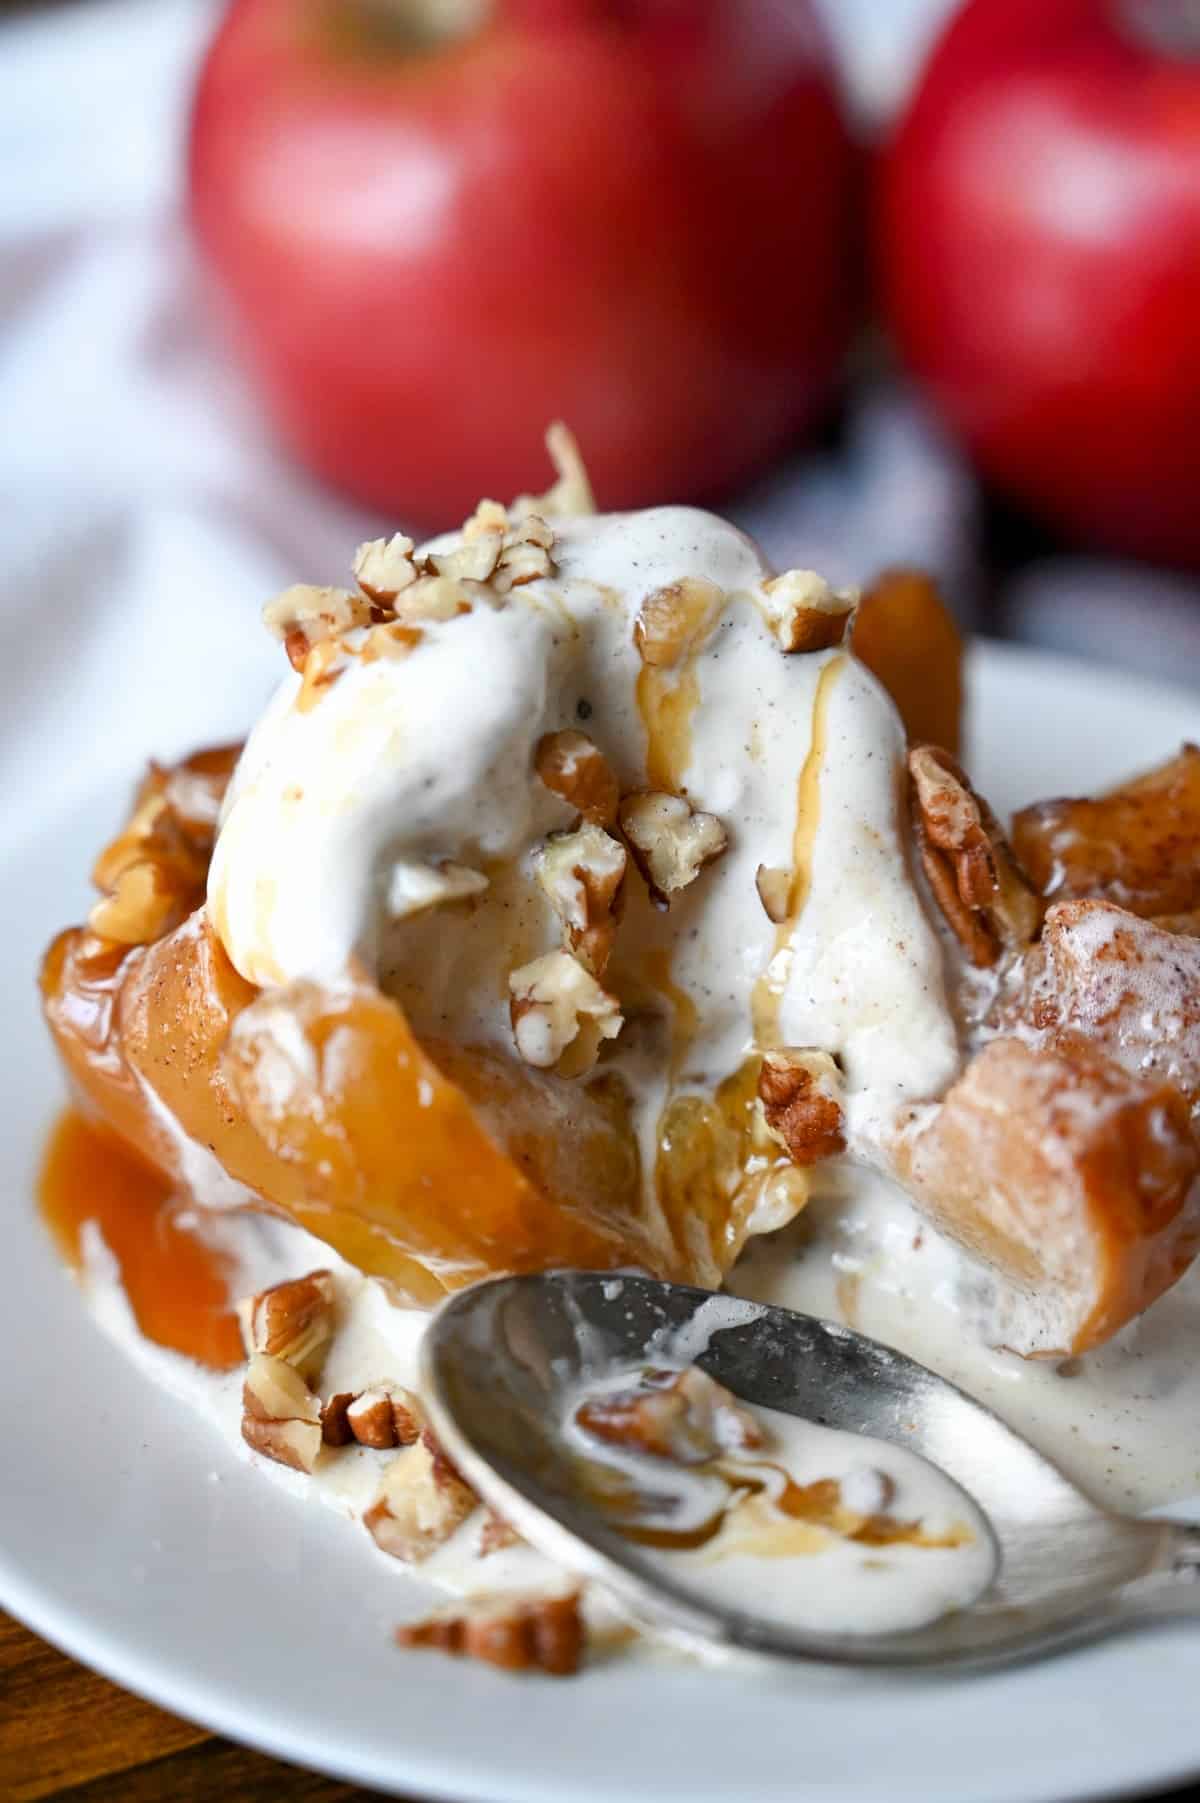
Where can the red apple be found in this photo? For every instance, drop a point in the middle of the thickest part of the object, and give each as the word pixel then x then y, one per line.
pixel 1040 253
pixel 440 224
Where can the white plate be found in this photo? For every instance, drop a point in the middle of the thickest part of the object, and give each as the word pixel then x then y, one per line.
pixel 139 1544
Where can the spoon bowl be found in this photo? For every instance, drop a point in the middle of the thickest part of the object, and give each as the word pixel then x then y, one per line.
pixel 502 1361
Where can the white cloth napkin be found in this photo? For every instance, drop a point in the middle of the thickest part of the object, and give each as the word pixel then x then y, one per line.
pixel 147 513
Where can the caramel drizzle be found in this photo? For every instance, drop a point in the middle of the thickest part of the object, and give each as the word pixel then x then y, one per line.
pixel 767 999
pixel 817 1505
pixel 667 698
pixel 656 972
pixel 176 1285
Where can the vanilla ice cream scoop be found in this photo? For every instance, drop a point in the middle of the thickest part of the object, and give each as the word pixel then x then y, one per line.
pixel 413 807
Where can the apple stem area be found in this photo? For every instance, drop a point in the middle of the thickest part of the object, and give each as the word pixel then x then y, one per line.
pixel 404 25
pixel 1163 27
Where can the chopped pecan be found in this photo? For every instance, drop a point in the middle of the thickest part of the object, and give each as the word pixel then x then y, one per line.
pixel 681 1415
pixel 525 556
pixel 805 613
pixel 496 1534
pixel 671 842
pixel 582 874
pixel 533 1634
pixel 560 1014
pixel 675 621
pixel 438 597
pixel 323 663
pixel 412 888
pixel 574 768
pixel 475 558
pixel 281 1417
pixel 384 568
pixel 335 1428
pixel 294 1321
pixel 800 1095
pixel 385 1416
pixel 987 900
pixel 152 873
pixel 422 1501
pixel 142 907
pixel 774 892
pixel 487 518
pixel 305 615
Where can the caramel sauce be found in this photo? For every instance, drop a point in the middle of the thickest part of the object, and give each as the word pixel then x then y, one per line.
pixel 656 973
pixel 768 993
pixel 668 693
pixel 667 700
pixel 757 1516
pixel 176 1286
pixel 714 1161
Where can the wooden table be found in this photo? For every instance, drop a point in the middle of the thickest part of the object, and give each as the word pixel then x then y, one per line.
pixel 66 1733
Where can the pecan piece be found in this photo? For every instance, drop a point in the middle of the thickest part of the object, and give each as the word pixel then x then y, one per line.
pixel 335 1428
pixel 384 568
pixel 573 767
pixel 475 559
pixel 143 905
pixel 985 896
pixel 804 613
pixel 412 888
pixel 671 841
pixel 560 1014
pixel 685 1416
pixel 533 1634
pixel 583 874
pixel 422 1501
pixel 305 615
pixel 496 1534
pixel 151 873
pixel 281 1417
pixel 294 1321
pixel 385 1416
pixel 438 597
pixel 774 887
pixel 675 621
pixel 525 554
pixel 800 1094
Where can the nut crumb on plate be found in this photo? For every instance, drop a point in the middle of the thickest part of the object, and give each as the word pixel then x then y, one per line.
pixel 543 1634
pixel 422 1500
pixel 281 1417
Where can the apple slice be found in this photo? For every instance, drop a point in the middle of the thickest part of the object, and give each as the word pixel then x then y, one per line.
pixel 1138 846
pixel 1069 1179
pixel 906 635
pixel 325 1106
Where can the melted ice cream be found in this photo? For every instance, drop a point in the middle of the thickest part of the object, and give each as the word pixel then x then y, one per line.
pixel 407 763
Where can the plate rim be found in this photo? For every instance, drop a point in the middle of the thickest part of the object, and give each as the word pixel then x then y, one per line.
pixel 112 1648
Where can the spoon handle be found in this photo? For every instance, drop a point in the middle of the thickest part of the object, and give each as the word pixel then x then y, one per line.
pixel 1172 1588
pixel 1183 1550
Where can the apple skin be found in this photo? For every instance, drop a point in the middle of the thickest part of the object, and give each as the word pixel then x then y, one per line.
pixel 634 215
pixel 1039 252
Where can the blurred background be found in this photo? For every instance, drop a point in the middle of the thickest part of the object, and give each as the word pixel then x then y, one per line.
pixel 890 281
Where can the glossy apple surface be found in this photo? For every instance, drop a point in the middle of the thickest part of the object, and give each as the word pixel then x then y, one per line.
pixel 634 215
pixel 1039 245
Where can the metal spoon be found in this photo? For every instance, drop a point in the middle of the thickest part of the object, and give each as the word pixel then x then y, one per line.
pixel 500 1362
